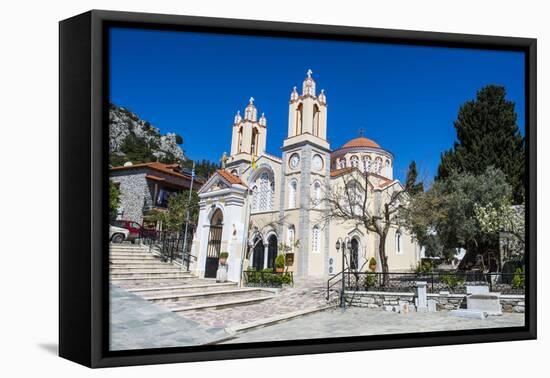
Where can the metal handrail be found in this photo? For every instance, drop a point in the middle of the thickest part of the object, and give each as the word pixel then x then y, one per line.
pixel 450 281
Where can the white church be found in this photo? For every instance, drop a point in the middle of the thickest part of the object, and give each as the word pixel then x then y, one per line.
pixel 261 205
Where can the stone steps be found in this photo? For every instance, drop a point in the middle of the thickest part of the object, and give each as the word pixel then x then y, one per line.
pixel 189 306
pixel 151 274
pixel 196 298
pixel 180 289
pixel 161 278
pixel 155 267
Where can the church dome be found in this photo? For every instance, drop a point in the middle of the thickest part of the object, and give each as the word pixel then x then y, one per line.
pixel 361 142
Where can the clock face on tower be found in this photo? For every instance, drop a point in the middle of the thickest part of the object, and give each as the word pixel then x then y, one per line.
pixel 294 161
pixel 317 162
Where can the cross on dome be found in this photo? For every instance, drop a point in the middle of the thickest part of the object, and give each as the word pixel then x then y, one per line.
pixel 361 132
pixel 251 101
pixel 309 72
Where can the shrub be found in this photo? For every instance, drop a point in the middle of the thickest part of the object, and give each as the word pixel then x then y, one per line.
pixel 451 280
pixel 424 267
pixel 372 261
pixel 518 282
pixel 370 280
pixel 224 255
pixel 280 261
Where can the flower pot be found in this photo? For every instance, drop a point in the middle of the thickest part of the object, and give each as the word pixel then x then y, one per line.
pixel 223 260
pixel 372 268
pixel 279 270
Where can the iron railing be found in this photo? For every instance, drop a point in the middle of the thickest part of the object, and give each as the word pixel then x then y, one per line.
pixel 170 245
pixel 454 282
pixel 267 278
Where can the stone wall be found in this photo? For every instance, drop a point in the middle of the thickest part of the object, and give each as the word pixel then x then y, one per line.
pixel 444 301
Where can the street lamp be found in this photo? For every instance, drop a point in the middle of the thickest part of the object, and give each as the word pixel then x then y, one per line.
pixel 340 243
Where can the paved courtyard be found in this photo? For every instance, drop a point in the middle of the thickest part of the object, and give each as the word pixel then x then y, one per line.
pixel 356 321
pixel 137 324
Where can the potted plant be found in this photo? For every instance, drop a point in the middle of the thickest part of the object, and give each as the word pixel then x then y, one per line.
pixel 280 263
pixel 372 264
pixel 223 258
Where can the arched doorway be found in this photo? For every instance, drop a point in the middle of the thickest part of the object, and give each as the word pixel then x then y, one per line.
pixel 354 255
pixel 258 259
pixel 271 251
pixel 214 244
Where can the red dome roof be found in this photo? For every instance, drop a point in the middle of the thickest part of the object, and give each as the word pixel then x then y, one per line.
pixel 361 142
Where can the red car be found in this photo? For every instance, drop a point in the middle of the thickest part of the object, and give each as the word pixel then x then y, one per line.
pixel 134 228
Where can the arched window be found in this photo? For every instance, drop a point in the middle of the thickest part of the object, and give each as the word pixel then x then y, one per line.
pixel 291 236
pixel 240 140
pixel 298 126
pixel 354 160
pixel 398 243
pixel 341 163
pixel 316 239
pixel 254 144
pixel 377 165
pixel 254 198
pixel 367 163
pixel 316 113
pixel 292 188
pixel 316 193
pixel 262 193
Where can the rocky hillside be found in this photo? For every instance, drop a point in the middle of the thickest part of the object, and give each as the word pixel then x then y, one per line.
pixel 133 139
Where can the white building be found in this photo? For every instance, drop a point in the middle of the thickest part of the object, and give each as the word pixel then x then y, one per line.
pixel 260 201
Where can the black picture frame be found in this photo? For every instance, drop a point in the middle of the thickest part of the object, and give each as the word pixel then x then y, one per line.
pixel 83 119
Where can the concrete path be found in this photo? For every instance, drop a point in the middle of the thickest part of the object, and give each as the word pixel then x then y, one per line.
pixel 137 324
pixel 362 321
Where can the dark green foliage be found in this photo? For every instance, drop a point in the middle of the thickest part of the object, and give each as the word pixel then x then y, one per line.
pixel 280 261
pixel 487 135
pixel 425 267
pixel 445 216
pixel 518 282
pixel 452 281
pixel 137 150
pixel 179 139
pixel 203 168
pixel 411 185
pixel 114 199
pixel 370 280
pixel 224 255
pixel 174 218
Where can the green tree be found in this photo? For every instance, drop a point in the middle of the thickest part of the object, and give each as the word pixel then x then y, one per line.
pixel 203 168
pixel 411 185
pixel 447 211
pixel 174 217
pixel 114 199
pixel 487 135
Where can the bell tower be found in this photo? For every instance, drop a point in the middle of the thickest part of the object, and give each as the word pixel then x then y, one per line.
pixel 305 173
pixel 307 114
pixel 248 135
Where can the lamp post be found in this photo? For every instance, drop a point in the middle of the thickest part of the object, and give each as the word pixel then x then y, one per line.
pixel 341 244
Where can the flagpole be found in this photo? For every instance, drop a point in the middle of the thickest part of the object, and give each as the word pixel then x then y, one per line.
pixel 187 217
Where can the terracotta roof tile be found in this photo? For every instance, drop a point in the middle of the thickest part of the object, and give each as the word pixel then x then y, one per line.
pixel 160 167
pixel 231 178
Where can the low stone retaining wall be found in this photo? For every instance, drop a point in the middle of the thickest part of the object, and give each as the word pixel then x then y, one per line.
pixel 444 301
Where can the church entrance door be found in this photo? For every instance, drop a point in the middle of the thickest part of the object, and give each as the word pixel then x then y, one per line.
pixel 214 245
pixel 271 251
pixel 258 259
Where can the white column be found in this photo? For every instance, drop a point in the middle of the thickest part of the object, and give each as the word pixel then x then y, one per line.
pixel 265 255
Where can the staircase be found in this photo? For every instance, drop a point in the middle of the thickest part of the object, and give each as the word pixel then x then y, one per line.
pixel 143 273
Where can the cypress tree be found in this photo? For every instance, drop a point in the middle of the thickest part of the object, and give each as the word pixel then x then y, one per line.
pixel 488 135
pixel 411 186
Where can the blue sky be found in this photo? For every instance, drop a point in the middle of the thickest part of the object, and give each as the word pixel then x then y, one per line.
pixel 404 97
